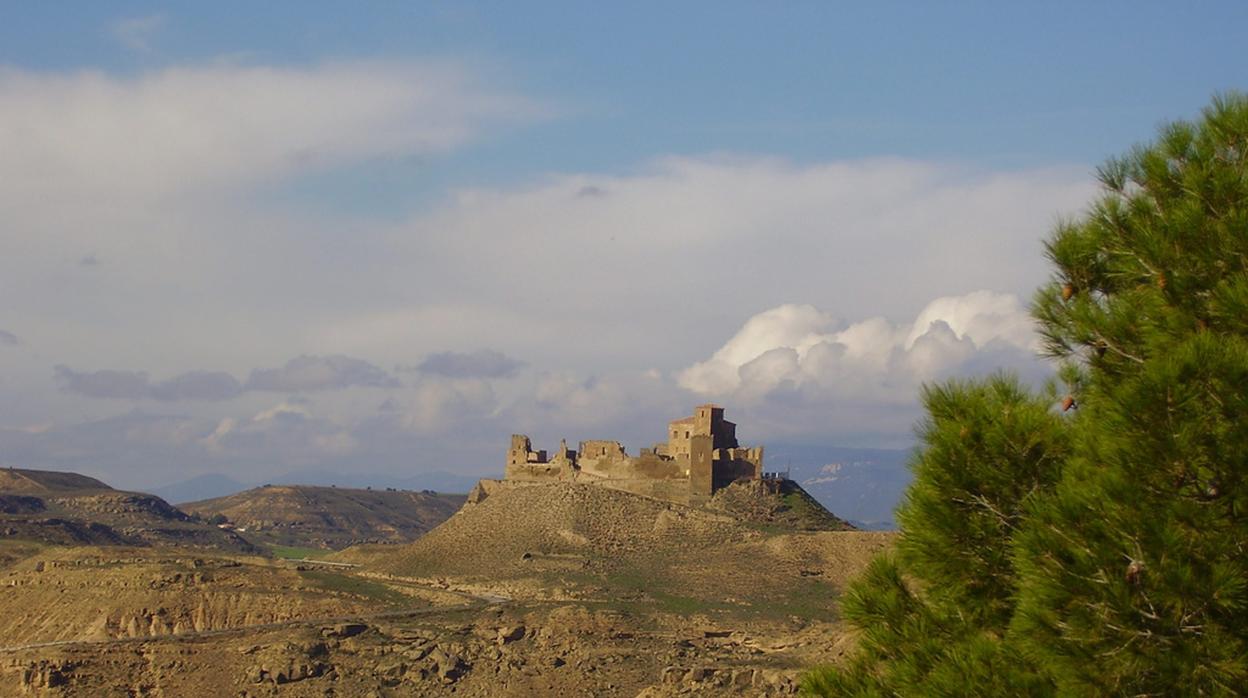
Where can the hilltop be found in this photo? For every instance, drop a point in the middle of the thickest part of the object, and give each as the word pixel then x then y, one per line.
pixel 21 481
pixel 583 539
pixel 71 509
pixel 329 517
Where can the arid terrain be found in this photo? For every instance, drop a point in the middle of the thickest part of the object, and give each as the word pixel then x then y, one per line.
pixel 328 517
pixel 529 589
pixel 72 509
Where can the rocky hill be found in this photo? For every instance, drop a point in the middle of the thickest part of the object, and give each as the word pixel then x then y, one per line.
pixel 529 589
pixel 783 504
pixel 583 540
pixel 20 481
pixel 71 509
pixel 329 517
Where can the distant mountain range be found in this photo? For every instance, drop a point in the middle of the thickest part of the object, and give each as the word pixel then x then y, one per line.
pixel 861 485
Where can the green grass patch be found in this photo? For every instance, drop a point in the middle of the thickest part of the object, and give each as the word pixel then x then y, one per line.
pixel 357 586
pixel 294 552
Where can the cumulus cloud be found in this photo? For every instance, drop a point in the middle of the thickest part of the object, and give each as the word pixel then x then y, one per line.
pixel 679 247
pixel 485 363
pixel 311 373
pixel 607 283
pixel 8 339
pixel 802 353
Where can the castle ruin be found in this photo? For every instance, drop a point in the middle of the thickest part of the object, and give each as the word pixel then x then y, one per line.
pixel 700 456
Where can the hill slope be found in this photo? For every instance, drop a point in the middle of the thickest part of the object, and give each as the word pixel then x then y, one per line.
pixel 96 593
pixel 71 509
pixel 330 517
pixel 585 541
pixel 20 481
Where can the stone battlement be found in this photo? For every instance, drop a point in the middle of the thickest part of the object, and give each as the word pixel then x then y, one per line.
pixel 700 456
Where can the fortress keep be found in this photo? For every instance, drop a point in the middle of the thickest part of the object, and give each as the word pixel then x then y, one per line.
pixel 701 455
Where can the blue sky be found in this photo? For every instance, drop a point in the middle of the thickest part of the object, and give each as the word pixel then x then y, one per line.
pixel 1003 84
pixel 244 235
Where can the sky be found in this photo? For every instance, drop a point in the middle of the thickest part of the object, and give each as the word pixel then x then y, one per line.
pixel 381 237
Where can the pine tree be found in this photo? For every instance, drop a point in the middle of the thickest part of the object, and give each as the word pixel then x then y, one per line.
pixel 1134 573
pixel 1118 563
pixel 934 615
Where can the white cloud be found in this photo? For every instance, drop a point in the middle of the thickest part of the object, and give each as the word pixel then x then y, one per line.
pixel 182 129
pixel 654 261
pixel 607 284
pixel 800 348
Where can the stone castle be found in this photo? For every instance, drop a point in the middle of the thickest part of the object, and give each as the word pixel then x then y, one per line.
pixel 701 455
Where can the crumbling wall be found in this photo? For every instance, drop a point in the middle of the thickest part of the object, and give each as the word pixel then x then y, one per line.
pixel 725 472
pixel 701 455
pixel 667 490
pixel 523 463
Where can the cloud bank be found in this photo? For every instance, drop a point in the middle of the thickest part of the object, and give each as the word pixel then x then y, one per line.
pixel 485 363
pixel 157 220
pixel 299 375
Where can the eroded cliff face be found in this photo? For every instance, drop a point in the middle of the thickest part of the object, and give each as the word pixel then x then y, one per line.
pixel 106 593
pixel 539 589
pixel 517 650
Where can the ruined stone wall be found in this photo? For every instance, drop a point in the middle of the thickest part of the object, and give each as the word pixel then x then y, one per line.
pixel 648 466
pixel 701 455
pixel 600 450
pixel 726 472
pixel 666 490
pixel 540 472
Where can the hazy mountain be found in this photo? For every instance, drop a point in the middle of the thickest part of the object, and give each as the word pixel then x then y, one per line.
pixel 862 485
pixel 199 487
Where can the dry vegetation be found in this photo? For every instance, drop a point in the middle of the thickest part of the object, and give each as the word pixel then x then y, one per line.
pixel 534 590
pixel 329 517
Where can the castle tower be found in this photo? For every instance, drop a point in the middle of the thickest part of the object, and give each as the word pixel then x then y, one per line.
pixel 518 454
pixel 701 466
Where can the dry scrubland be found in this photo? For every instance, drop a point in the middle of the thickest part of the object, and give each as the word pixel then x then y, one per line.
pixel 71 509
pixel 329 517
pixel 98 593
pixel 532 590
